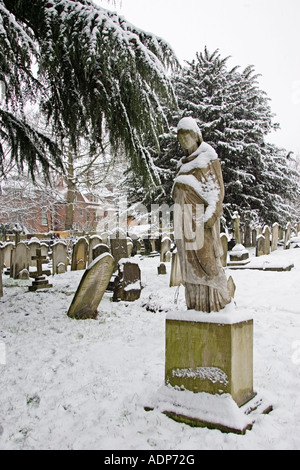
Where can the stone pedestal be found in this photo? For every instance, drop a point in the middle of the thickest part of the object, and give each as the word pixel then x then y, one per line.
pixel 209 372
pixel 210 356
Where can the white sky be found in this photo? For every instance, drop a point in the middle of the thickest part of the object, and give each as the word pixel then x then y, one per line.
pixel 263 33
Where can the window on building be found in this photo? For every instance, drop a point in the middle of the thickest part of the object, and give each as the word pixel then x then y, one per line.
pixel 44 218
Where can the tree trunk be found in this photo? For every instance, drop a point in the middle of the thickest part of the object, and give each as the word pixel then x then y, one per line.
pixel 71 192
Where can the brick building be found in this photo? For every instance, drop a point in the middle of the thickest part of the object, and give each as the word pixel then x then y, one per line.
pixel 43 209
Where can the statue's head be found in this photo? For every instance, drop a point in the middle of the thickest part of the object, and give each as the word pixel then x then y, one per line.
pixel 189 134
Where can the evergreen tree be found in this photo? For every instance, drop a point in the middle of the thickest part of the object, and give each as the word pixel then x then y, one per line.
pixel 97 74
pixel 235 117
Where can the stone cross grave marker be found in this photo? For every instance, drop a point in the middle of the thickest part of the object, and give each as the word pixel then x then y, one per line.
pixel 92 288
pixel 40 281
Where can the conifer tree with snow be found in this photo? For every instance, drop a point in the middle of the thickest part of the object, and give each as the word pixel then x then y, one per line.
pixel 97 75
pixel 235 117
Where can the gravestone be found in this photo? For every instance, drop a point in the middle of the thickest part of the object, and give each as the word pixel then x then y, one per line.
pixel 128 282
pixel 59 258
pixel 92 288
pixel 253 237
pixel 247 235
pixel 98 250
pixel 267 235
pixel 175 276
pixel 275 234
pixel 40 281
pixel 129 247
pixel 260 245
pixel 161 269
pixel 93 241
pixel 118 248
pixel 20 259
pixel 224 241
pixel 79 255
pixel 6 251
pixel 165 253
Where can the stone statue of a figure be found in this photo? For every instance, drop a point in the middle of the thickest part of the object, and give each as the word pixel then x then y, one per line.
pixel 199 185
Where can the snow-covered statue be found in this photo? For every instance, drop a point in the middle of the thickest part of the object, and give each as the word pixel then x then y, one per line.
pixel 198 193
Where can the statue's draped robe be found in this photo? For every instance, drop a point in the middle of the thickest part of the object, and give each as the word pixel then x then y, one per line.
pixel 199 182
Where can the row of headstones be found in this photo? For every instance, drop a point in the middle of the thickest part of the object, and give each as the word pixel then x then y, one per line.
pixel 265 240
pixel 18 258
pixel 277 234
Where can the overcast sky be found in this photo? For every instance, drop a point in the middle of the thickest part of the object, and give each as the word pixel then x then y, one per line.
pixel 263 33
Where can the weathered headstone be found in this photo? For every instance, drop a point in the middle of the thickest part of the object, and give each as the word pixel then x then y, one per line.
pixel 59 258
pixel 260 245
pixel 128 282
pixel 275 233
pixel 161 269
pixel 267 235
pixel 253 237
pixel 118 248
pixel 247 235
pixel 92 288
pixel 93 241
pixel 40 281
pixel 6 251
pixel 79 255
pixel 98 250
pixel 20 259
pixel 175 276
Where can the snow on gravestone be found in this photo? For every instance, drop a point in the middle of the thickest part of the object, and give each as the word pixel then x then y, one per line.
pixel 59 258
pixel 91 288
pixel 127 285
pixel 79 255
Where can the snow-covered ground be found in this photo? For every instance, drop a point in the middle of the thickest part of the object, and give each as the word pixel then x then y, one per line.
pixel 68 384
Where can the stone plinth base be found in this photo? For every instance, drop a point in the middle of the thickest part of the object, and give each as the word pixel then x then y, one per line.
pixel 209 371
pixel 207 410
pixel 211 353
